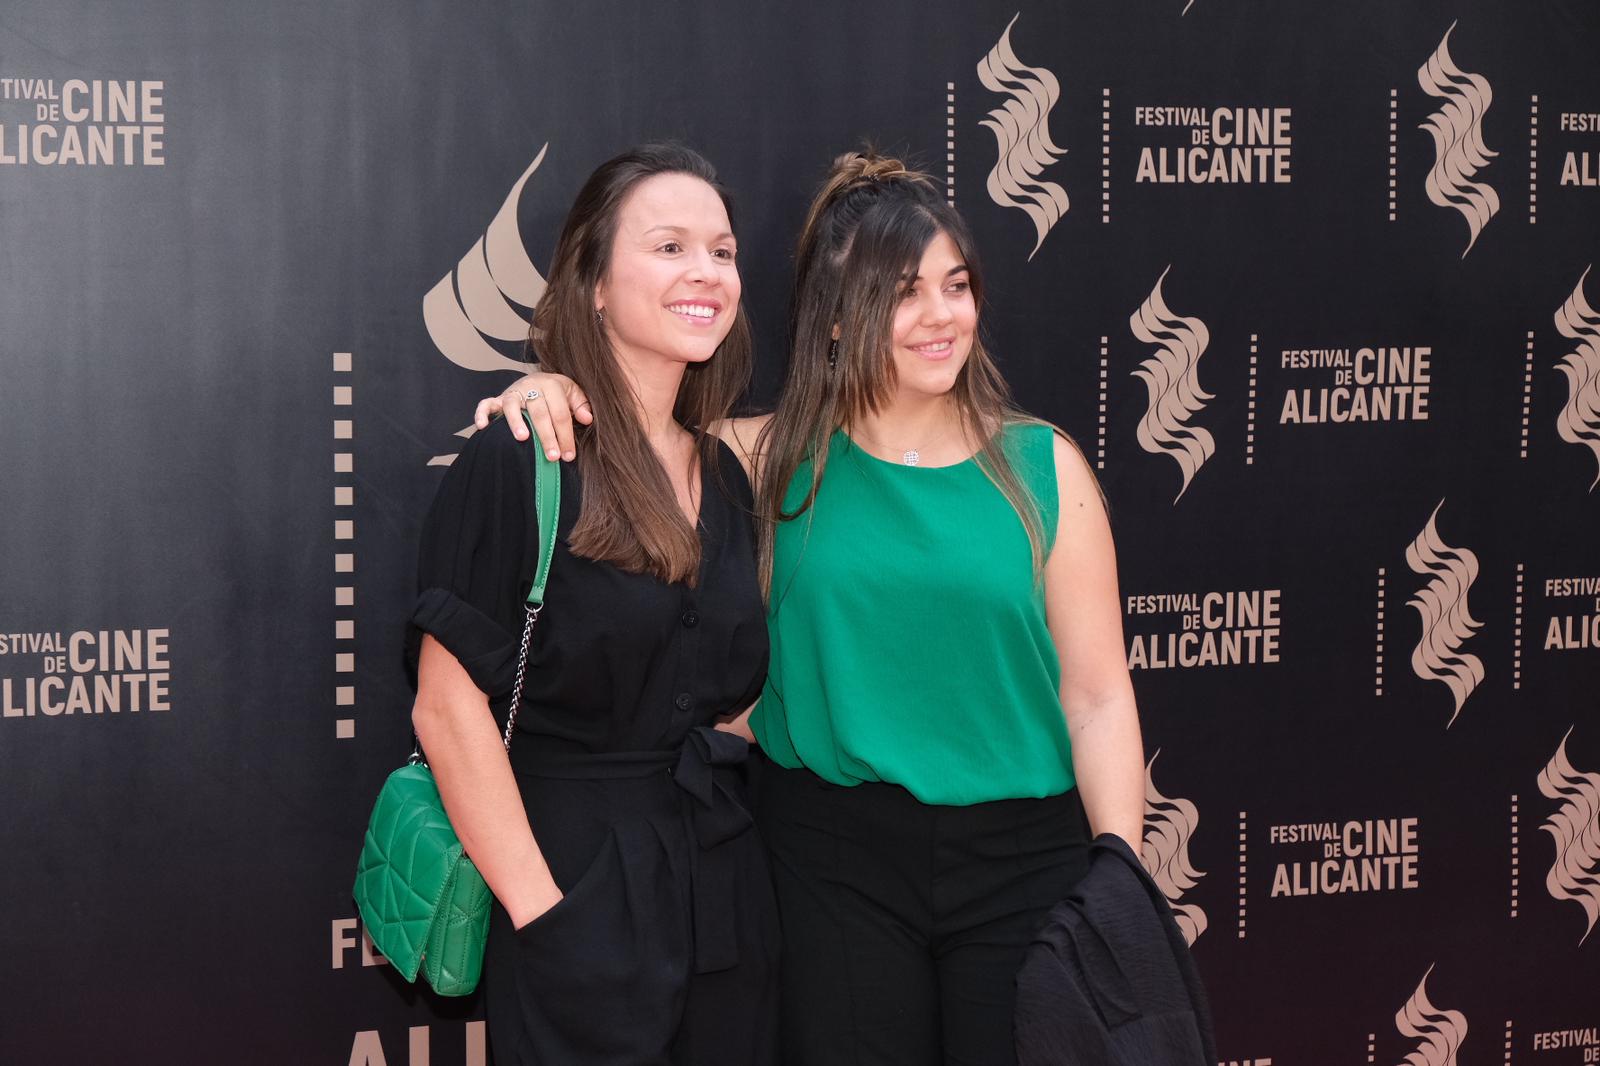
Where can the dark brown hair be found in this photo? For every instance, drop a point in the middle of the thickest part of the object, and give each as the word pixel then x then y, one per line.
pixel 630 515
pixel 866 230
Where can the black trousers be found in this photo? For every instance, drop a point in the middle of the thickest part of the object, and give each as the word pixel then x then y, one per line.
pixel 904 923
pixel 664 951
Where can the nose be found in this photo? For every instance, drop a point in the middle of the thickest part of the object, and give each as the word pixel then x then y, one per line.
pixel 702 268
pixel 935 309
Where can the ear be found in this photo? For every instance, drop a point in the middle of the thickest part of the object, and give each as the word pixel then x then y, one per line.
pixel 836 331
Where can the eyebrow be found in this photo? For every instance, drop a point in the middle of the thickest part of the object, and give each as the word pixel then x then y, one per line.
pixel 959 268
pixel 724 235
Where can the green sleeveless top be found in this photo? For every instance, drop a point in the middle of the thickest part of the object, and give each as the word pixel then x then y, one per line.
pixel 909 641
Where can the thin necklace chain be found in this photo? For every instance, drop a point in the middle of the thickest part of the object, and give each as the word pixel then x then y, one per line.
pixel 911 456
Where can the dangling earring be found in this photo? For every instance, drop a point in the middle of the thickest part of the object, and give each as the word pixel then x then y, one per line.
pixel 833 354
pixel 600 317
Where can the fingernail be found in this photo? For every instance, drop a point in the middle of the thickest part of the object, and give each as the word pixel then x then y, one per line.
pixel 552 454
pixel 569 456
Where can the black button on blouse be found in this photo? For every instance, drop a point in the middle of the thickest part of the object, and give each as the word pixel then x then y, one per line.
pixel 618 661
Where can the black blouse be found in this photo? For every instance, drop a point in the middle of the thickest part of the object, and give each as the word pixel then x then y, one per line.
pixel 619 661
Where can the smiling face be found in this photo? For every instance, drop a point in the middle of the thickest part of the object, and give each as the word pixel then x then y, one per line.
pixel 671 289
pixel 935 321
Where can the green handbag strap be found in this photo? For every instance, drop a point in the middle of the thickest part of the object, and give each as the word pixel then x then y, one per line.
pixel 547 494
pixel 547 491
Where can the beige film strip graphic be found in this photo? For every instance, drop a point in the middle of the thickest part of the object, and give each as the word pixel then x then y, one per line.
pixel 1516 631
pixel 1105 386
pixel 1527 392
pixel 1377 678
pixel 1243 869
pixel 1372 1047
pixel 344 559
pixel 1516 855
pixel 1508 1042
pixel 1105 155
pixel 1533 159
pixel 1394 151
pixel 1250 407
pixel 950 143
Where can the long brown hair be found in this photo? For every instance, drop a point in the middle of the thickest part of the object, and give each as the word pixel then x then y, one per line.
pixel 866 229
pixel 630 515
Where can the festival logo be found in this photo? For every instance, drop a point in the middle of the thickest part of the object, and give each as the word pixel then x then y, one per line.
pixel 1204 145
pixel 1373 383
pixel 1168 825
pixel 1439 1033
pixel 1575 827
pixel 1446 622
pixel 1343 858
pixel 1189 630
pixel 1578 627
pixel 1584 1042
pixel 83 122
pixel 1171 378
pixel 1579 420
pixel 1021 128
pixel 104 672
pixel 479 299
pixel 474 300
pixel 1457 130
pixel 1580 167
pixel 367 1049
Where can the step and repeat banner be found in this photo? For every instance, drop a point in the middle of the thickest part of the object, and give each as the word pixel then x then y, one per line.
pixel 1313 285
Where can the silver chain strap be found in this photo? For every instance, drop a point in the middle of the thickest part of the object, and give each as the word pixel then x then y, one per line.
pixel 522 670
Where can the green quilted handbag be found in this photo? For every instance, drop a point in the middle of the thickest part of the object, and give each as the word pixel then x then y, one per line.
pixel 424 903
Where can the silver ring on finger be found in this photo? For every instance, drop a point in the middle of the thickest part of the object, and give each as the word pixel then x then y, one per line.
pixel 532 394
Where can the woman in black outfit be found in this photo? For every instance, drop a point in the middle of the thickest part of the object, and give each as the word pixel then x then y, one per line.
pixel 634 919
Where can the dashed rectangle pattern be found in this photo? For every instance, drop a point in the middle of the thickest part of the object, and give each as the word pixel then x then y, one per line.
pixel 1105 388
pixel 1105 155
pixel 1250 409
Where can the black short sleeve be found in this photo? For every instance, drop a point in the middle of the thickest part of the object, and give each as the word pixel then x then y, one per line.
pixel 474 562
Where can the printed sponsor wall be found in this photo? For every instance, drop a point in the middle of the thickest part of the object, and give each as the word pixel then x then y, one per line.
pixel 1312 286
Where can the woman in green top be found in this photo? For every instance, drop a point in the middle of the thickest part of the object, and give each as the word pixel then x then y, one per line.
pixel 947 702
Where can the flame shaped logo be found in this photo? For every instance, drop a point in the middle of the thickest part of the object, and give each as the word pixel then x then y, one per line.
pixel 1579 421
pixel 1446 622
pixel 1575 825
pixel 1441 1032
pixel 474 300
pixel 1022 136
pixel 1458 148
pixel 1170 377
pixel 1168 825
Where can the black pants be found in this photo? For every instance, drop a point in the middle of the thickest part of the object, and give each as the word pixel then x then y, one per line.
pixel 664 951
pixel 904 923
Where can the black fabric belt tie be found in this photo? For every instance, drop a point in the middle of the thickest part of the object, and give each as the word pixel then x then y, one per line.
pixel 714 816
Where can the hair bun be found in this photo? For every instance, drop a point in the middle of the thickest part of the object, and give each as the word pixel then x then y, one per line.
pixel 853 169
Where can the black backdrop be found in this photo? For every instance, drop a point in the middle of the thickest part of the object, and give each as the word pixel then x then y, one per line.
pixel 222 413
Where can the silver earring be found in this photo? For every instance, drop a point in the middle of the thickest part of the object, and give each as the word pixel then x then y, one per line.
pixel 599 317
pixel 833 354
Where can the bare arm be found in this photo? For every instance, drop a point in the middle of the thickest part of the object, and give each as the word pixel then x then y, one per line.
pixel 1085 617
pixel 452 719
pixel 561 402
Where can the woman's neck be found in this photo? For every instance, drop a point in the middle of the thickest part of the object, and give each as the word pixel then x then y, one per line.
pixel 916 422
pixel 654 382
